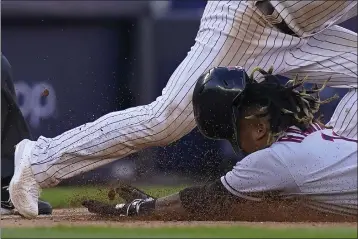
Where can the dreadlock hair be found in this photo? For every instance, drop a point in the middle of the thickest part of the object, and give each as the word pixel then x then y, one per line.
pixel 284 105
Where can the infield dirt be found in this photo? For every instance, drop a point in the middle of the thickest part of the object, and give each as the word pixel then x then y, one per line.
pixel 80 217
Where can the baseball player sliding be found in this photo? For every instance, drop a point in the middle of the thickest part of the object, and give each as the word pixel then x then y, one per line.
pixel 295 37
pixel 290 155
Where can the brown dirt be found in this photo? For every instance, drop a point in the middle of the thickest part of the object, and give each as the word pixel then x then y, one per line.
pixel 80 217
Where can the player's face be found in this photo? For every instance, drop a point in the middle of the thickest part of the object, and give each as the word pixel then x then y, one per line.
pixel 253 134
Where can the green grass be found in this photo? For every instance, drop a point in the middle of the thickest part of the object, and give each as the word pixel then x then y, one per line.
pixel 64 197
pixel 197 232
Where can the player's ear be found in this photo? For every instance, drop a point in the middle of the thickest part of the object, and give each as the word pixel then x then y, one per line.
pixel 260 131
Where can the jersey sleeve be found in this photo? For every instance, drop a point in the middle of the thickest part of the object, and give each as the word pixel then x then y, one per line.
pixel 259 172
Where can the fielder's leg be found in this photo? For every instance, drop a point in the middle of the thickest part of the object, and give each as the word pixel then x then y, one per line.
pixel 231 33
pixel 331 54
pixel 13 130
pixel 7 164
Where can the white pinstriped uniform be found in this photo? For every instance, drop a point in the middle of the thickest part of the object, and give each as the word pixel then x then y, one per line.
pixel 231 33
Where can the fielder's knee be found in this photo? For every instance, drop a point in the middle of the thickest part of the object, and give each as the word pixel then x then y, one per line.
pixel 169 126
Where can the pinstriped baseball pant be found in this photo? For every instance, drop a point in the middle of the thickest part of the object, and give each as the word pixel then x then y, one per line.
pixel 231 33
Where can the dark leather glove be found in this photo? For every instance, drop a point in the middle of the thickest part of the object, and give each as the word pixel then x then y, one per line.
pixel 138 207
pixel 128 193
pixel 136 203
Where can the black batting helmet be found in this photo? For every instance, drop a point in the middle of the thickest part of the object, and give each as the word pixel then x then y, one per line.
pixel 214 97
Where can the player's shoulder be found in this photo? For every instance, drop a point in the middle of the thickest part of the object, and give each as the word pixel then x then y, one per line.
pixel 290 144
pixel 295 135
pixel 260 159
pixel 286 149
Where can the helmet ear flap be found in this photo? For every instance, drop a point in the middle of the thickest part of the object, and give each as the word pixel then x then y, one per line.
pixel 236 115
pixel 235 121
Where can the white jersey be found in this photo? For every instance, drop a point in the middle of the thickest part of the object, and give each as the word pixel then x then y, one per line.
pixel 231 33
pixel 319 166
pixel 307 18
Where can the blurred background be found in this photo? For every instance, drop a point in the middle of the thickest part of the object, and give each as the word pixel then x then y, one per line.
pixel 96 57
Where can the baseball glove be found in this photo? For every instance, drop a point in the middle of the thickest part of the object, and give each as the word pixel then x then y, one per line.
pixel 136 203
